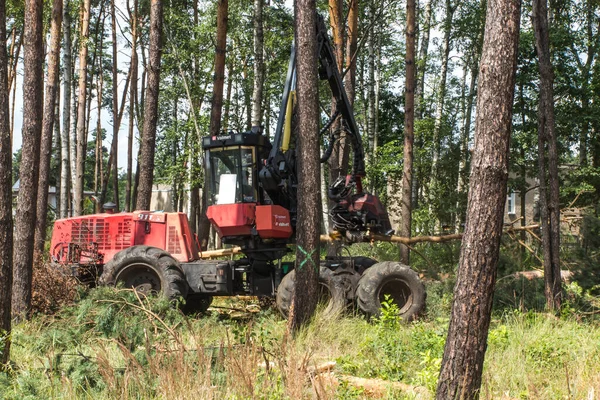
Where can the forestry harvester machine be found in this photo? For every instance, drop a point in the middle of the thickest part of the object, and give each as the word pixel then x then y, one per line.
pixel 251 190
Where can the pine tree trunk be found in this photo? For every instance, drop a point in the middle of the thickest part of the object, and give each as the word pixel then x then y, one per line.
pixel 259 67
pixel 217 104
pixel 305 294
pixel 549 197
pixel 371 84
pixel 409 129
pixel 99 165
pixel 441 97
pixel 132 97
pixel 147 147
pixel 420 88
pixel 52 83
pixel 57 148
pixel 65 162
pixel 6 217
pixel 462 364
pixel 33 94
pixel 115 104
pixel 81 110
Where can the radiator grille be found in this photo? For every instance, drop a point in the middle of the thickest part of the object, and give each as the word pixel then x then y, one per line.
pixel 123 238
pixel 174 247
pixel 102 235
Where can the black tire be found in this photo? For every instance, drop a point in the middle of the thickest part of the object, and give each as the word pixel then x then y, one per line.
pixel 330 293
pixel 197 304
pixel 361 263
pixel 147 269
pixel 393 279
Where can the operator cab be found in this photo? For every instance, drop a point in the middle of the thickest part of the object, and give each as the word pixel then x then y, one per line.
pixel 238 207
pixel 232 162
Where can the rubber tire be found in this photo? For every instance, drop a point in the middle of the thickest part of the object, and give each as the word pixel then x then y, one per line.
pixel 337 302
pixel 361 263
pixel 159 264
pixel 372 286
pixel 195 304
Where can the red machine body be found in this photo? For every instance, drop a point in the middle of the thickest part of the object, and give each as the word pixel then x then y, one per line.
pixel 95 239
pixel 242 219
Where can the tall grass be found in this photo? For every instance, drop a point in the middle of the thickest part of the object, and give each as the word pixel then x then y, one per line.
pixel 114 345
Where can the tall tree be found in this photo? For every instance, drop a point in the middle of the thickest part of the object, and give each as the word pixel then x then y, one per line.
pixel 217 103
pixel 420 88
pixel 132 96
pixel 147 147
pixel 48 125
pixel 549 190
pixel 409 129
pixel 84 35
pixel 115 104
pixel 65 162
pixel 6 218
pixel 33 94
pixel 259 64
pixel 462 364
pixel 309 217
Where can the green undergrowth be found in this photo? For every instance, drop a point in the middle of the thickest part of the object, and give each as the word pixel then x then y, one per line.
pixel 112 344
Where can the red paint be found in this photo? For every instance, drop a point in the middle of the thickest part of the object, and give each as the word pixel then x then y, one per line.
pixel 273 222
pixel 232 219
pixel 95 239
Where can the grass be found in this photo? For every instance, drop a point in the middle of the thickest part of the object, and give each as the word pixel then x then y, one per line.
pixel 111 344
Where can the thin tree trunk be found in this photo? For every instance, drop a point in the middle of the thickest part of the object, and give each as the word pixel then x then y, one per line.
pixel 98 169
pixel 65 163
pixel 115 103
pixel 371 84
pixel 226 115
pixel 52 84
pixel 441 96
pixel 259 65
pixel 462 364
pixel 305 294
pixel 57 148
pixel 81 119
pixel 217 104
pixel 33 94
pixel 6 217
pixel 146 161
pixel 132 97
pixel 549 201
pixel 420 88
pixel 464 149
pixel 409 130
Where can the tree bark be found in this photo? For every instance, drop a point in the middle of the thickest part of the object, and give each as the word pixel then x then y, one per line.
pixel 259 64
pixel 147 146
pixel 305 294
pixel 441 97
pixel 33 94
pixel 462 364
pixel 115 104
pixel 81 110
pixel 132 97
pixel 6 218
pixel 217 104
pixel 420 88
pixel 65 162
pixel 48 126
pixel 409 129
pixel 549 196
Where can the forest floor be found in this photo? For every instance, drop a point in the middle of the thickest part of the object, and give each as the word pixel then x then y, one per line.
pixel 111 344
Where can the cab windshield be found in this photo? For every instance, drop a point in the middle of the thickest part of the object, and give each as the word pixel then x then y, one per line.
pixel 230 175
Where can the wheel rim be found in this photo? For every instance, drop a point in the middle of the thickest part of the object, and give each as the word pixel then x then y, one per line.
pixel 141 277
pixel 399 292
